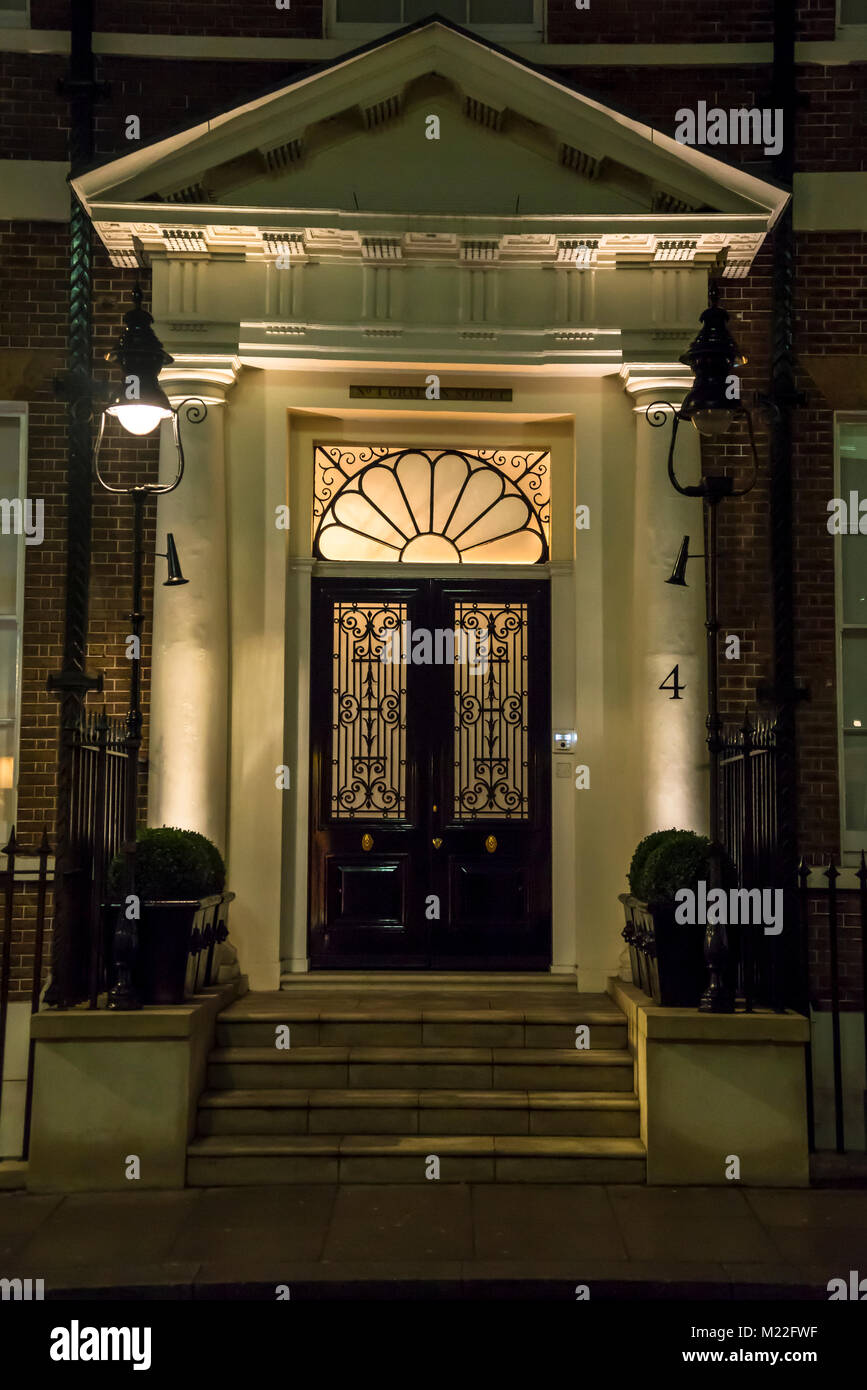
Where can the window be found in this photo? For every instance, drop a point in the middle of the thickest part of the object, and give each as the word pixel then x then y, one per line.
pixel 852 12
pixel 517 19
pixel 431 506
pixel 15 14
pixel 852 633
pixel 12 540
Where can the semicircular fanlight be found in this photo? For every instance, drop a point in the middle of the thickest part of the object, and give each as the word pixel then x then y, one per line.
pixel 426 506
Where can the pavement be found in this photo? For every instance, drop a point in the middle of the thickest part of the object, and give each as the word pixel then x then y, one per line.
pixel 437 1241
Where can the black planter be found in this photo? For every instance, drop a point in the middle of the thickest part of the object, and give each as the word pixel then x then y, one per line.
pixel 631 936
pixel 176 946
pixel 671 965
pixel 165 937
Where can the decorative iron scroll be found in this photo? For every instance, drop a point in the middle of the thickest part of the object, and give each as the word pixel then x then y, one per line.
pixel 490 742
pixel 368 739
pixel 430 506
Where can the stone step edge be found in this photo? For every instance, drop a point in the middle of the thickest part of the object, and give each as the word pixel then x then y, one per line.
pixel 436 1056
pixel 371 1098
pixel 379 1145
pixel 422 979
pixel 462 1017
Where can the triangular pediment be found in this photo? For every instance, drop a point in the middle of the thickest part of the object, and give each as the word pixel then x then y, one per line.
pixel 518 151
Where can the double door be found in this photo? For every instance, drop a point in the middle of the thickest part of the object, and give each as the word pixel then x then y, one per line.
pixel 430 775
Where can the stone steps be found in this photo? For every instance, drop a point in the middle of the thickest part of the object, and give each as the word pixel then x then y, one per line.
pixel 407 1112
pixel 384 1071
pixel 424 1068
pixel 395 1027
pixel 239 1160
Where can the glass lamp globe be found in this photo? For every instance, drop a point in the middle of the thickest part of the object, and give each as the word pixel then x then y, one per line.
pixel 139 417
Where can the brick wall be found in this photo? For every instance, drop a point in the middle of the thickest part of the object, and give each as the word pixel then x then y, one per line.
pixel 262 18
pixel 849 976
pixel 166 95
pixel 675 21
pixel 606 21
pixel 34 301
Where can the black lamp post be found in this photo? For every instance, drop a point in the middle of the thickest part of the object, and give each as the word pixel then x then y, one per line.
pixel 140 406
pixel 712 406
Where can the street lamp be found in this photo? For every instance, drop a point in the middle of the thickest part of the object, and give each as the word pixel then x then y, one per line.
pixel 712 406
pixel 139 406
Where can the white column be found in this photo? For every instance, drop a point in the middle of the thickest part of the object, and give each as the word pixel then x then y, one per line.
pixel 668 621
pixel 188 738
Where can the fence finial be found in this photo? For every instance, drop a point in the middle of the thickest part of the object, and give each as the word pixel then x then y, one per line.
pixel 11 848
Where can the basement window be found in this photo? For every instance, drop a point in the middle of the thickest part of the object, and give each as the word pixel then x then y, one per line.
pixel 15 14
pixel 519 20
pixel 851 585
pixel 852 13
pixel 13 490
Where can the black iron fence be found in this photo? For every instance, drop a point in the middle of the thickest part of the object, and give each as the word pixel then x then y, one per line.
pixel 748 800
pixel 24 882
pixel 833 924
pixel 769 968
pixel 99 769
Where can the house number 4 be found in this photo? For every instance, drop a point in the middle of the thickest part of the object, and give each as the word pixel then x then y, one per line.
pixel 676 687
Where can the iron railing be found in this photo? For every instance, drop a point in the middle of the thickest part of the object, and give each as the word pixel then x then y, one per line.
pixel 17 883
pixel 749 820
pixel 846 961
pixel 99 771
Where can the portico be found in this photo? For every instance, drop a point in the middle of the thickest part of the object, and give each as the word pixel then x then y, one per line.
pixel 315 240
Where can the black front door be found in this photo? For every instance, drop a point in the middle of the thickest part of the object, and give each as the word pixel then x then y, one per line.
pixel 430 775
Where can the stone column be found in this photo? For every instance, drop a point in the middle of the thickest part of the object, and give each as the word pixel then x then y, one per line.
pixel 668 621
pixel 188 735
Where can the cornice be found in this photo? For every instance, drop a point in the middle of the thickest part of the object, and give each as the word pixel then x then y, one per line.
pixel 284 237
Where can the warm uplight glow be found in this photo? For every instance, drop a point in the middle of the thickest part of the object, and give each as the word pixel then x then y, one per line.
pixel 432 506
pixel 7 772
pixel 856 724
pixel 138 418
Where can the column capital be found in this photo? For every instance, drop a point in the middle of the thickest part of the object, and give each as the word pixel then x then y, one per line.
pixel 648 382
pixel 209 376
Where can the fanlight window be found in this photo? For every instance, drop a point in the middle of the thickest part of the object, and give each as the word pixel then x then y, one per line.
pixel 432 506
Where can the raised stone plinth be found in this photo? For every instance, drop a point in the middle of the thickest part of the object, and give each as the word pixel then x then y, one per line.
pixel 111 1085
pixel 717 1087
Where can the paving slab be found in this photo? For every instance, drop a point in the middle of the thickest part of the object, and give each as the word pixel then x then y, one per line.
pixel 110 1228
pixel 21 1215
pixel 803 1207
pixel 545 1222
pixel 410 1222
pixel 283 1223
pixel 419 1239
pixel 691 1223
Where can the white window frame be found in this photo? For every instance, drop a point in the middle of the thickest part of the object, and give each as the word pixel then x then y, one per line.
pixel 498 33
pixel 17 410
pixel 14 19
pixel 851 841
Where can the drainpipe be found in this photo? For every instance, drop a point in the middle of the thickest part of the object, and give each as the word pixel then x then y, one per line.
pixel 784 396
pixel 70 946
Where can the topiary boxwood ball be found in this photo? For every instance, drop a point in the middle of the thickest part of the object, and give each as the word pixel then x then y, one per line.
pixel 644 849
pixel 678 862
pixel 171 865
